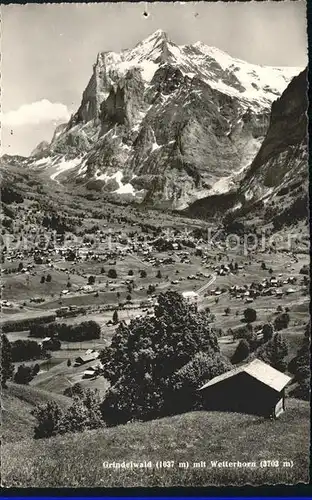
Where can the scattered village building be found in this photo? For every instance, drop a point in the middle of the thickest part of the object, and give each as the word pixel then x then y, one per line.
pixel 190 296
pixel 89 373
pixel 254 388
pixel 86 358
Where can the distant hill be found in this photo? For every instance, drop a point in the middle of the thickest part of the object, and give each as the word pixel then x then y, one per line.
pixel 76 460
pixel 17 402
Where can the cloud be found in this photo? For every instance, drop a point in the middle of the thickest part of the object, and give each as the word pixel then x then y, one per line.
pixel 35 113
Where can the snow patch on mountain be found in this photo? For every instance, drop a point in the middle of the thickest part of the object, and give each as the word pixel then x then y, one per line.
pixel 63 166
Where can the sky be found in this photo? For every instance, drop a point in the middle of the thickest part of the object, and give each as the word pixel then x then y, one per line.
pixel 48 50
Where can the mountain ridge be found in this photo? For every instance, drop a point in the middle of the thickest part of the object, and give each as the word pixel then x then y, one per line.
pixel 164 124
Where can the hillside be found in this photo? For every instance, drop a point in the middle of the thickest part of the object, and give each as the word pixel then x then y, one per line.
pixel 76 460
pixel 18 401
pixel 163 123
pixel 275 186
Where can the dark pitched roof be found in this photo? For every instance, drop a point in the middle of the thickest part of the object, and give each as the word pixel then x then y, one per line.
pixel 258 370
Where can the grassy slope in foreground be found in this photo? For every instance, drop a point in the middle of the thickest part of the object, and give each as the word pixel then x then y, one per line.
pixel 76 460
pixel 17 403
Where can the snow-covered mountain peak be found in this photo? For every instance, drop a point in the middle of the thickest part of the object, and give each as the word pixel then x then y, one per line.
pixel 177 121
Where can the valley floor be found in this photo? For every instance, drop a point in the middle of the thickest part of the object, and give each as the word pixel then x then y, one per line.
pixel 178 443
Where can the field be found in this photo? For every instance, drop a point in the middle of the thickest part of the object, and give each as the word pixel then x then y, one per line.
pixel 77 460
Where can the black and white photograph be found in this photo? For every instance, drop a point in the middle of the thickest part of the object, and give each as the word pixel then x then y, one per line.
pixel 155 245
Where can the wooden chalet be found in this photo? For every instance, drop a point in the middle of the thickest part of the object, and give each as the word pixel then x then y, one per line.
pixel 254 388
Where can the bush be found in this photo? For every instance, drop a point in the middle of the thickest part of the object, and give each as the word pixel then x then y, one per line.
pixel 250 315
pixel 281 321
pixel 91 280
pixel 158 275
pixel 48 278
pixel 112 273
pixel 143 273
pixel 130 272
pixel 42 279
pixel 25 374
pixel 48 417
pixel 83 414
pixel 227 311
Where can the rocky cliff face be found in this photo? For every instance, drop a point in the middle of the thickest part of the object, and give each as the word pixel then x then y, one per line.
pixel 166 124
pixel 275 186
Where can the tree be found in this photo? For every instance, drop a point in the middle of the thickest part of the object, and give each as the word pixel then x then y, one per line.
pixel 242 352
pixel 281 321
pixel 188 379
pixel 74 390
pixel 83 414
pixel 112 273
pixel 250 315
pixel 143 273
pixel 263 265
pixel 102 270
pixel 144 355
pixel 115 317
pixel 25 350
pixel 151 289
pixel 7 368
pixel 24 375
pixel 20 266
pixel 158 275
pixel 273 352
pixel 128 298
pixel 48 278
pixel 267 332
pixel 304 270
pixel 91 280
pixel 130 272
pixel 68 362
pixel 48 417
pixel 42 279
pixel 227 311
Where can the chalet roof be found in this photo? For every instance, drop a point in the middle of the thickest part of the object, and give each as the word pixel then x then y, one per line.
pixel 258 370
pixel 88 357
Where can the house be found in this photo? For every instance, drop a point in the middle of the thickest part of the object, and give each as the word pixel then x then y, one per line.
pixel 190 296
pixel 254 388
pixel 89 373
pixel 81 360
